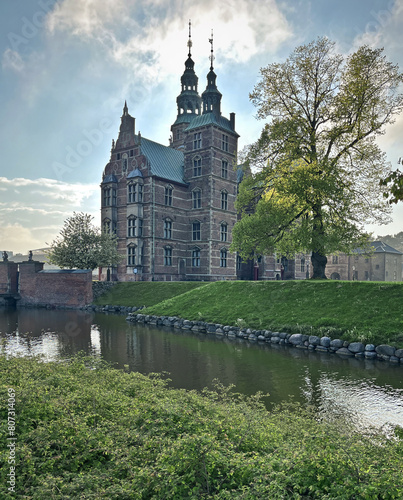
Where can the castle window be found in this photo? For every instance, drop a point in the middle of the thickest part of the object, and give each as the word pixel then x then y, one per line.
pixel 238 263
pixel 139 227
pixel 167 256
pixel 106 227
pixel 196 257
pixel 335 259
pixel 168 196
pixel 131 255
pixel 107 197
pixel 118 156
pixel 197 140
pixel 124 162
pixel 131 193
pixel 224 143
pixel 131 227
pixel 114 197
pixel 302 268
pixel 197 170
pixel 223 257
pixel 131 153
pixel 140 192
pixel 224 169
pixel 223 231
pixel 224 200
pixel 167 229
pixel 196 198
pixel 196 231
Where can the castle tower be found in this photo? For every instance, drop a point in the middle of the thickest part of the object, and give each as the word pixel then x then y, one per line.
pixel 211 97
pixel 188 101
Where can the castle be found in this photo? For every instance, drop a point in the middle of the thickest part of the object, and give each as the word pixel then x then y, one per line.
pixel 172 207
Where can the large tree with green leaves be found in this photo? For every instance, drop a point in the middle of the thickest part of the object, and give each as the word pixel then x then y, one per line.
pixel 82 245
pixel 316 166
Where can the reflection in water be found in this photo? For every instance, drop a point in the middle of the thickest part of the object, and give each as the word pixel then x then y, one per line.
pixel 361 393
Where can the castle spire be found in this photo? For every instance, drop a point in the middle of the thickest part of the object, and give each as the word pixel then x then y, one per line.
pixel 211 52
pixel 125 109
pixel 190 39
pixel 211 97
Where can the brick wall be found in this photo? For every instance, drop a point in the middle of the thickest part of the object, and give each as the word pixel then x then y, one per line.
pixel 72 288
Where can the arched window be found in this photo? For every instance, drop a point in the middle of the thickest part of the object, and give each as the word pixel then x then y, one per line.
pixel 224 200
pixel 196 198
pixel 106 226
pixel 224 169
pixel 197 140
pixel 167 229
pixel 131 226
pixel 131 255
pixel 132 192
pixel 196 257
pixel 167 256
pixel 168 195
pixel 196 231
pixel 224 231
pixel 197 169
pixel 223 257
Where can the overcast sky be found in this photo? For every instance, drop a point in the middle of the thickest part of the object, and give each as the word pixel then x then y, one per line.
pixel 67 67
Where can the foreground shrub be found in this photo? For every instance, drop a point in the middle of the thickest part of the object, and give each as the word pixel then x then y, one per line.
pixel 88 431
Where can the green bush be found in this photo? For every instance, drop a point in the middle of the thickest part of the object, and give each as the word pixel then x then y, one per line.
pixel 88 431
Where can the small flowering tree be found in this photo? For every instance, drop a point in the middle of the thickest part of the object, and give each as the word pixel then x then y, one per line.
pixel 81 245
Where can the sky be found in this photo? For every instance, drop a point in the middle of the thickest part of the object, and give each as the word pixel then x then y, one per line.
pixel 67 67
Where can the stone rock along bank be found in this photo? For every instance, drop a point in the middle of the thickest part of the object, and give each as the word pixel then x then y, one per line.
pixel 344 348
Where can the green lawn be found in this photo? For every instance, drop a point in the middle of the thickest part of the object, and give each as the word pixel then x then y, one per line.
pixel 87 431
pixel 144 293
pixel 366 311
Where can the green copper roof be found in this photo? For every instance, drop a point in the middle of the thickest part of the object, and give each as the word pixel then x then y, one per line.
pixel 165 162
pixel 210 119
pixel 185 118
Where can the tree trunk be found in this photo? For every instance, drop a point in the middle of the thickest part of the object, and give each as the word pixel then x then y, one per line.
pixel 318 257
pixel 319 265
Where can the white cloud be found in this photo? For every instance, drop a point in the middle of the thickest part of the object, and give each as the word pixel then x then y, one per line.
pixel 33 214
pixel 19 239
pixel 142 36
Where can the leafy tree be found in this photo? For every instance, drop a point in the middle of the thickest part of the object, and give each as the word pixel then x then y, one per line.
pixel 82 245
pixel 394 186
pixel 317 166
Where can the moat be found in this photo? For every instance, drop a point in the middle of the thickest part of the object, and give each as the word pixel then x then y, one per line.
pixel 360 392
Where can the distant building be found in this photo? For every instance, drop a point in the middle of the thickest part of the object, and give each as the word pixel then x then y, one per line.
pixel 384 263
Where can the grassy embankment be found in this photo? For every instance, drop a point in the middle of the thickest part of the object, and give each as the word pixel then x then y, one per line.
pixel 102 433
pixel 364 311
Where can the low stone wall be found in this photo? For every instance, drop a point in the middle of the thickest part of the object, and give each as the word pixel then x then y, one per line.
pixel 311 342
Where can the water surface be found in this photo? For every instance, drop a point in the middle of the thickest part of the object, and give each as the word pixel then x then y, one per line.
pixel 362 392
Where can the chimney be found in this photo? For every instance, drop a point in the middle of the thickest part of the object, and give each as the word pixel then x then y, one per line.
pixel 232 120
